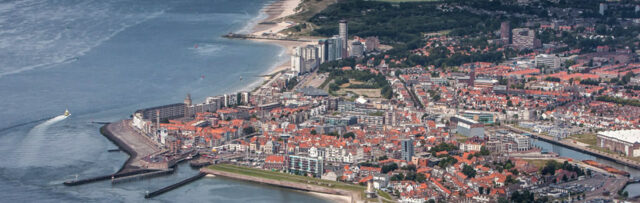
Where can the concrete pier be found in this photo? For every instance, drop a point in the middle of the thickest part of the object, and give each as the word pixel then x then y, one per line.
pixel 106 177
pixel 141 176
pixel 174 186
pixel 135 145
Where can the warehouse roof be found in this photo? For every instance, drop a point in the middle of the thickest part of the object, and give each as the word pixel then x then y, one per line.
pixel 630 136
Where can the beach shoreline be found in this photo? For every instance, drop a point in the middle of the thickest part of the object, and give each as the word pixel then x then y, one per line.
pixel 272 20
pixel 331 193
pixel 273 24
pixel 330 197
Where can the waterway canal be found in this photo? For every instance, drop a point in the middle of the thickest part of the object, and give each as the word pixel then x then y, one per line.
pixel 633 189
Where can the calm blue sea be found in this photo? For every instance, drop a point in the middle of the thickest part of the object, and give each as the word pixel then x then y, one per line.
pixel 102 60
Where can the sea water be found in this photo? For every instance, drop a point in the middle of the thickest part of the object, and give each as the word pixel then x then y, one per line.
pixel 102 60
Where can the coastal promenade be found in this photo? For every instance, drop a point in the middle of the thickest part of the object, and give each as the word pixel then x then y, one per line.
pixel 615 158
pixel 353 192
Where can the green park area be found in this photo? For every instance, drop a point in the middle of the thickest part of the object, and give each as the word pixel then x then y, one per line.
pixel 274 175
pixel 589 139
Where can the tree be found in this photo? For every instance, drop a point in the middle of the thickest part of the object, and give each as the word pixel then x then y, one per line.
pixel 484 151
pixel 510 180
pixel 397 177
pixel 421 178
pixel 409 167
pixel 248 130
pixel 389 167
pixel 564 178
pixel 525 196
pixel 292 83
pixel 348 135
pixel 469 171
pixel 481 190
pixel 313 132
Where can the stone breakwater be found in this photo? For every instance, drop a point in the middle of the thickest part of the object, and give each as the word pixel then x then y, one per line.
pixel 136 146
pixel 133 143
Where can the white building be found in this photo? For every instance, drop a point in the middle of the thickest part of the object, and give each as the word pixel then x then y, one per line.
pixel 305 59
pixel 623 141
pixel 547 60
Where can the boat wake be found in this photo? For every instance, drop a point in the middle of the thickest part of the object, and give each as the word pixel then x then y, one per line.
pixel 31 150
pixel 23 124
pixel 42 127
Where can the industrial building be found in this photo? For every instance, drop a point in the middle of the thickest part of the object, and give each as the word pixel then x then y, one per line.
pixel 622 141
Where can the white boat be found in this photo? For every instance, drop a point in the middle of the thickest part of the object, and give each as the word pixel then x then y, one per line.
pixel 67 113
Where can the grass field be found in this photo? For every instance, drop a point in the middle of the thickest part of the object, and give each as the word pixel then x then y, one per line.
pixel 537 162
pixel 291 178
pixel 369 93
pixel 589 139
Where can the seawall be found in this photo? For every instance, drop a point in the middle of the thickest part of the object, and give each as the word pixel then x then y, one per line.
pixel 127 171
pixel 104 130
pixel 284 184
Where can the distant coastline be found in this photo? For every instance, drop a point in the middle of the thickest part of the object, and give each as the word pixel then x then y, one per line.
pixel 274 22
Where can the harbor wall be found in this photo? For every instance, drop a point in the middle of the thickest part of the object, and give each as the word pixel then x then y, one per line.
pixel 284 184
pixel 174 186
pixel 104 130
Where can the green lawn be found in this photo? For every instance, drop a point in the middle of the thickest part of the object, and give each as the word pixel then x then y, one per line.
pixel 385 196
pixel 286 177
pixel 589 139
pixel 294 178
pixel 538 162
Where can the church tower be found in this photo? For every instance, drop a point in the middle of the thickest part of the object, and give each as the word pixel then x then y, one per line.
pixel 187 101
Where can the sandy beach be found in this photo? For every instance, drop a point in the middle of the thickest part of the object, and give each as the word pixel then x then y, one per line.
pixel 274 23
pixel 332 198
pixel 276 17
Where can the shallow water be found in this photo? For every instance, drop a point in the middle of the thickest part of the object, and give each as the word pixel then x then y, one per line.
pixel 102 60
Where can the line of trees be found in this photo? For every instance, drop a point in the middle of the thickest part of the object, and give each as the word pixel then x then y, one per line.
pixel 631 102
